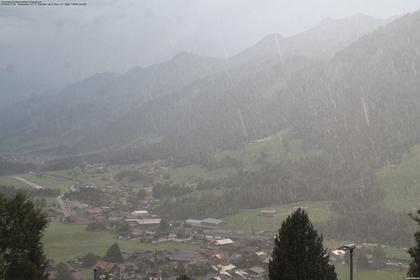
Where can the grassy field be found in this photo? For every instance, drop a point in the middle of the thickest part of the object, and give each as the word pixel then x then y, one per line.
pixel 401 183
pixel 63 242
pixel 45 181
pixel 10 181
pixel 390 252
pixel 397 253
pixel 369 274
pixel 271 149
pixel 250 221
pixel 182 174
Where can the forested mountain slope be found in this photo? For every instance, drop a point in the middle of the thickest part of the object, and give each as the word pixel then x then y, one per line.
pixel 75 119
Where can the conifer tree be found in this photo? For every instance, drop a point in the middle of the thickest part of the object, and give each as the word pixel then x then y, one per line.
pixel 63 272
pixel 298 253
pixel 414 269
pixel 114 254
pixel 184 277
pixel 21 250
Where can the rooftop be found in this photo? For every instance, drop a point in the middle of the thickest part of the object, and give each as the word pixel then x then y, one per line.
pixel 224 241
pixel 212 221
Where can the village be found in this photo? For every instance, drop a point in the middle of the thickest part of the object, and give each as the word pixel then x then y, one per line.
pixel 223 253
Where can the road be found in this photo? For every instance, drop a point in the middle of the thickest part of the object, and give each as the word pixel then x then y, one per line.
pixel 60 201
pixel 29 183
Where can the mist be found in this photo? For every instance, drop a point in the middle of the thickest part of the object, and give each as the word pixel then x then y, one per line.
pixel 72 43
pixel 210 139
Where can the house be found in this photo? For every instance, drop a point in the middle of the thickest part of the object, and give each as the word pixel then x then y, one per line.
pixel 141 213
pixel 223 269
pixel 135 232
pixel 193 223
pixel 268 213
pixel 256 272
pixel 212 223
pixel 78 220
pixel 93 211
pixel 102 268
pixel 226 241
pixel 144 223
pixel 186 256
pixel 208 223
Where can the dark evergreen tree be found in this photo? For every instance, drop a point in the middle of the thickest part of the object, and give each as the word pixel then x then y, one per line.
pixel 21 227
pixel 114 254
pixel 414 269
pixel 379 253
pixel 184 277
pixel 89 260
pixel 21 268
pixel 164 226
pixel 141 194
pixel 63 272
pixel 180 270
pixel 298 253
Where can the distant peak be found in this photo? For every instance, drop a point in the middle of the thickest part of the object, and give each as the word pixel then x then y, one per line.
pixel 135 69
pixel 355 17
pixel 361 16
pixel 269 39
pixel 184 56
pixel 274 36
pixel 327 20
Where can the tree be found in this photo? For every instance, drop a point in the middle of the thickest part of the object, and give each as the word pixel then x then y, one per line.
pixel 96 226
pixel 414 269
pixel 63 272
pixel 184 277
pixel 141 194
pixel 41 203
pixel 20 267
pixel 379 253
pixel 362 261
pixel 121 228
pixel 21 227
pixel 89 260
pixel 114 254
pixel 298 253
pixel 164 226
pixel 180 270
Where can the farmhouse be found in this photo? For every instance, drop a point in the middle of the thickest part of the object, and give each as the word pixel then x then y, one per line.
pixel 268 213
pixel 141 213
pixel 193 223
pixel 144 222
pixel 208 223
pixel 226 241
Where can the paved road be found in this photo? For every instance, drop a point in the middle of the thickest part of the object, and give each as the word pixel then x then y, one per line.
pixel 29 183
pixel 60 202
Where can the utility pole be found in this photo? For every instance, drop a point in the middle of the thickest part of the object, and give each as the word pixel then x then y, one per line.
pixel 350 248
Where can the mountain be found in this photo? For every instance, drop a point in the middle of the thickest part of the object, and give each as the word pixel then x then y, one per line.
pixel 188 101
pixel 14 87
pixel 232 107
pixel 363 104
pixel 360 107
pixel 322 41
pixel 95 102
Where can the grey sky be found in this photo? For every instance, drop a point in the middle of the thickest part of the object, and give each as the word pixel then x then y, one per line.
pixel 58 45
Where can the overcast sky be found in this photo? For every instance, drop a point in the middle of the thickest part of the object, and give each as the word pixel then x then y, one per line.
pixel 57 45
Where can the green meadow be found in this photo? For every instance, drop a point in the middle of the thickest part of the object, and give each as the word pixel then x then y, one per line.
pixel 65 241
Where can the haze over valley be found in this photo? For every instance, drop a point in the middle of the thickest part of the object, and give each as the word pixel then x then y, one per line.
pixel 190 156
